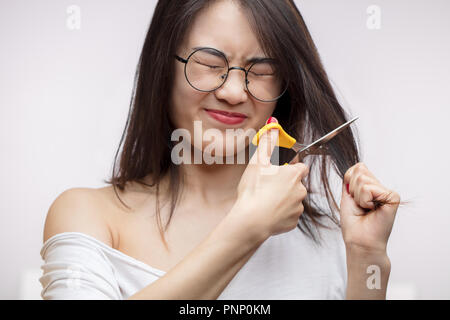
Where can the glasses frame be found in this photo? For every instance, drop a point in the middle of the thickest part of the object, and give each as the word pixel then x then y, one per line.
pixel 185 61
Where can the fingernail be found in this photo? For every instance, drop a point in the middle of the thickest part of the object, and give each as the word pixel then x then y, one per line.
pixel 272 120
pixel 348 188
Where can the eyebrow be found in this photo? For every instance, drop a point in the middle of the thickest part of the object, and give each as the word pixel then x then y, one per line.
pixel 248 61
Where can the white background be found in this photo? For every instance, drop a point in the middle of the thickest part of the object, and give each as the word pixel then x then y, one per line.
pixel 64 97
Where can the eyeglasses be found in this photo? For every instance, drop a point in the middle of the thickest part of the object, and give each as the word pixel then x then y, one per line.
pixel 207 69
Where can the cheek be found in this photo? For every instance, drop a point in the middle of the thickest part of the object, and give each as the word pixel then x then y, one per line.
pixel 184 108
pixel 263 112
pixel 183 104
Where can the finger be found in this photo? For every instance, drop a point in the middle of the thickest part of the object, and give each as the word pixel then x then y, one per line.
pixel 266 145
pixel 354 172
pixel 346 181
pixel 302 192
pixel 369 193
pixel 361 168
pixel 302 168
pixel 363 196
pixel 357 181
pixel 353 207
pixel 348 175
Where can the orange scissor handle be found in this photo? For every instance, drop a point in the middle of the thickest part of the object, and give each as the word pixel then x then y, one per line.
pixel 284 140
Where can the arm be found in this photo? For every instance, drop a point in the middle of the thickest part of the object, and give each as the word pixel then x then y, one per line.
pixel 202 274
pixel 206 271
pixel 267 204
pixel 367 274
pixel 366 229
pixel 270 204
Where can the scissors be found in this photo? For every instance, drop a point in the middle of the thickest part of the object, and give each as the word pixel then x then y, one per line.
pixel 301 150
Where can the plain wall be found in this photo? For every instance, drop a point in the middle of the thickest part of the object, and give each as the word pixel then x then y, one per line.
pixel 64 98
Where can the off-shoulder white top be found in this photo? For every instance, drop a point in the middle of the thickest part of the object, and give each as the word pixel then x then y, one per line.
pixel 285 266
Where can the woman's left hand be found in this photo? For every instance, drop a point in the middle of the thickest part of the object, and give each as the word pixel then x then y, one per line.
pixel 364 226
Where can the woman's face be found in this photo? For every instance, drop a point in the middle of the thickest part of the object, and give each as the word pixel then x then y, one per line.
pixel 222 26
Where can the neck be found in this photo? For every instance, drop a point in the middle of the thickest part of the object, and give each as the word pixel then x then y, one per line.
pixel 213 184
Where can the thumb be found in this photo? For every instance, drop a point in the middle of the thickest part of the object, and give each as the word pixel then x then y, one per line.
pixel 267 142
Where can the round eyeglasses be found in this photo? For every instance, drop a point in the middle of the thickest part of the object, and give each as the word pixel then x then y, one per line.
pixel 207 69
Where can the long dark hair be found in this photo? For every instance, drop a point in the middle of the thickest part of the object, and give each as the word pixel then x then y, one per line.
pixel 308 109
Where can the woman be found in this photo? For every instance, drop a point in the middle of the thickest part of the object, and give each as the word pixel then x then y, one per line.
pixel 170 229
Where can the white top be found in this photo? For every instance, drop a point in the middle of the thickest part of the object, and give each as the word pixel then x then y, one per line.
pixel 285 266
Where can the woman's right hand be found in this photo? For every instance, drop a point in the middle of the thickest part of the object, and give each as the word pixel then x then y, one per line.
pixel 270 196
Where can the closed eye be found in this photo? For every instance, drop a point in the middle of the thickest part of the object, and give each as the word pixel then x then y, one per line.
pixel 206 65
pixel 262 74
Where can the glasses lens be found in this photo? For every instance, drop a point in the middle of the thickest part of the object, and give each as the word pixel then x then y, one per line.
pixel 206 69
pixel 264 81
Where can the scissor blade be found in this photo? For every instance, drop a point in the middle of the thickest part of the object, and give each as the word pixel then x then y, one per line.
pixel 309 149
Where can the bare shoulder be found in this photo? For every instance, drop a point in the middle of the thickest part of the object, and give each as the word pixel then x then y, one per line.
pixel 79 210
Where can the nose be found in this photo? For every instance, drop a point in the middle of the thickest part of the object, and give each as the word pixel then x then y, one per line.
pixel 233 90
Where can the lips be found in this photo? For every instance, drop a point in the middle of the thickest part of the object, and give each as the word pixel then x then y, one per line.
pixel 229 118
pixel 229 114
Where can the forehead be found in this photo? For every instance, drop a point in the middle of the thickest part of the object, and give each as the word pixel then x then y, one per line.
pixel 224 26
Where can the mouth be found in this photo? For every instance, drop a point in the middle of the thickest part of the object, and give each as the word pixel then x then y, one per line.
pixel 228 114
pixel 226 117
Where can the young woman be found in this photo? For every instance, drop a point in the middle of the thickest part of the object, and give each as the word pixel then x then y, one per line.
pixel 167 229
